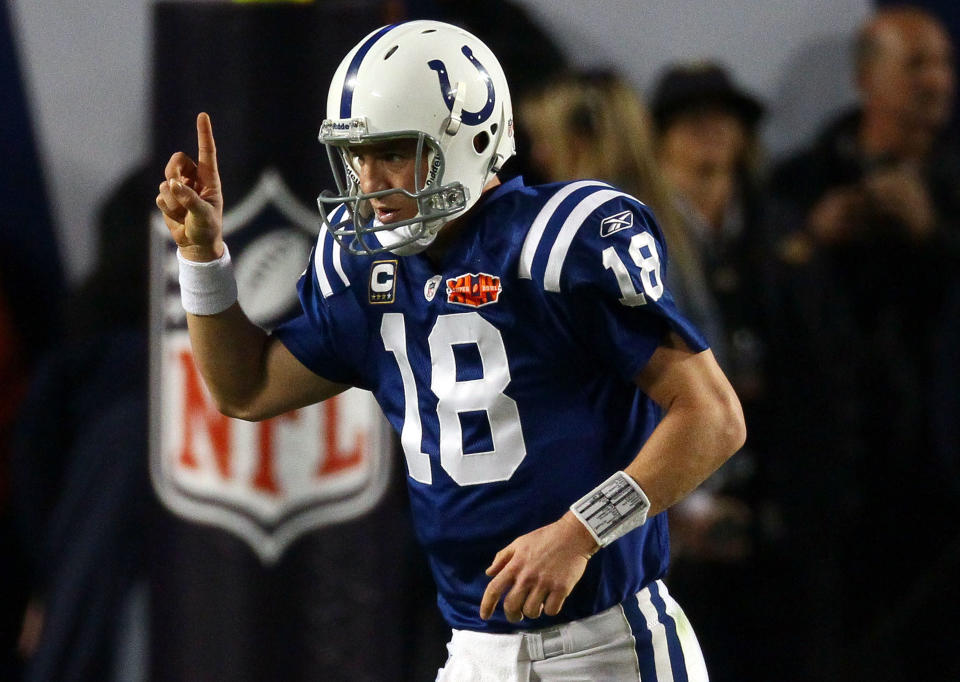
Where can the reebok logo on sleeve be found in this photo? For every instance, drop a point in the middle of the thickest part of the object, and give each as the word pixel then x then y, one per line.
pixel 616 222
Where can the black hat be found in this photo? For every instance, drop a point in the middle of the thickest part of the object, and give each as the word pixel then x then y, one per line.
pixel 695 84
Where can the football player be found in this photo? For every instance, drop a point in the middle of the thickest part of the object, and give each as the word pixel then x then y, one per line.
pixel 550 398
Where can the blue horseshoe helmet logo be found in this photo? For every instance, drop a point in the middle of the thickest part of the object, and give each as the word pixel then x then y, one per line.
pixel 469 117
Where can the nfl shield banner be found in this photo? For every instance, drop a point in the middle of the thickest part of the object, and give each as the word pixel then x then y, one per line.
pixel 283 547
pixel 271 481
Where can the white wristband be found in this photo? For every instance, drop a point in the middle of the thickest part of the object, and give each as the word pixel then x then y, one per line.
pixel 612 509
pixel 207 288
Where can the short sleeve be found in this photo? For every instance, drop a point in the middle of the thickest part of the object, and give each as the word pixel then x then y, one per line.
pixel 610 274
pixel 320 337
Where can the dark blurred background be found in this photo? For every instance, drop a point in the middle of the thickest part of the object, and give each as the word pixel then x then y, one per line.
pixel 826 550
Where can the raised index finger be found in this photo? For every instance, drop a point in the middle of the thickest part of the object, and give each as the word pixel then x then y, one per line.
pixel 207 148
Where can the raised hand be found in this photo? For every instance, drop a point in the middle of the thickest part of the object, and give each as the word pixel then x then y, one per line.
pixel 191 199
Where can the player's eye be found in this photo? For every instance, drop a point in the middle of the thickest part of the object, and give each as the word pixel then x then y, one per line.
pixel 358 159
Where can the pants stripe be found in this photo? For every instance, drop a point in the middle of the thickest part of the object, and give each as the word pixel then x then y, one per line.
pixel 642 638
pixel 658 633
pixel 670 630
pixel 692 655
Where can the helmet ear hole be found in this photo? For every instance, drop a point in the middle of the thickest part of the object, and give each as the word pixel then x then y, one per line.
pixel 481 141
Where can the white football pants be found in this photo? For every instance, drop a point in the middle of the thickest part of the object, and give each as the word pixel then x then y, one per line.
pixel 646 638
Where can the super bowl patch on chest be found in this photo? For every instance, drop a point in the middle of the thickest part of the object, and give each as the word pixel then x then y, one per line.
pixel 473 290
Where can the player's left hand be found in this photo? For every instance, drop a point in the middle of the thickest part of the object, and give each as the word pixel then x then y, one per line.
pixel 539 569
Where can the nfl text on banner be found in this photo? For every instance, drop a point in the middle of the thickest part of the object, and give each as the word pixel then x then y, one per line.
pixel 271 481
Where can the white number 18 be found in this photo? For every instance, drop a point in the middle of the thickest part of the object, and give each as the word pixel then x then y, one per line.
pixel 643 252
pixel 456 396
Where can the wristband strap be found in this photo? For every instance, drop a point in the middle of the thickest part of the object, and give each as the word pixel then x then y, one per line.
pixel 612 509
pixel 207 288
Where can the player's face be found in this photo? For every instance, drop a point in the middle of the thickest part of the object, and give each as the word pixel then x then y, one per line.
pixel 390 164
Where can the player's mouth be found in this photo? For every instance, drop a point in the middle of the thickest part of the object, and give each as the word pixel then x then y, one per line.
pixel 387 214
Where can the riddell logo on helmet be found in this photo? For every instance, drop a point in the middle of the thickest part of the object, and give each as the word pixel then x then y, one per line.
pixel 434 172
pixel 474 290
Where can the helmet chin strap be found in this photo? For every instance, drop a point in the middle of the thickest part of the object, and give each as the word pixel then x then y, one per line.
pixel 390 237
pixel 456 111
pixel 451 128
pixel 452 125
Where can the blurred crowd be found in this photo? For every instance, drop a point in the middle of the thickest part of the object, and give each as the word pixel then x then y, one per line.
pixel 827 282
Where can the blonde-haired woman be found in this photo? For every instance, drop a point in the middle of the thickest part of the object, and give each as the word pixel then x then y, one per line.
pixel 594 125
pixel 597 126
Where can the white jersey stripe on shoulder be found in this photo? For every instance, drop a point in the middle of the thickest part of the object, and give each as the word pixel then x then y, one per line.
pixel 322 280
pixel 336 215
pixel 535 233
pixel 338 264
pixel 558 252
pixel 658 633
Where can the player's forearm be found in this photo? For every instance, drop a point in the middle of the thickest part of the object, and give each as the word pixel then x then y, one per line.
pixel 695 436
pixel 230 352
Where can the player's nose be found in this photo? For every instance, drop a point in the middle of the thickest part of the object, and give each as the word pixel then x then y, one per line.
pixel 372 177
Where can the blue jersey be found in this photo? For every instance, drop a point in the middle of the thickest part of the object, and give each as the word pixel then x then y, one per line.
pixel 508 370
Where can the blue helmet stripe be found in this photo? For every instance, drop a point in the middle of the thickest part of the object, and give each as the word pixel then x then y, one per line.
pixel 350 81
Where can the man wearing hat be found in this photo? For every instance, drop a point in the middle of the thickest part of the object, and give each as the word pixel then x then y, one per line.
pixel 706 141
pixel 705 128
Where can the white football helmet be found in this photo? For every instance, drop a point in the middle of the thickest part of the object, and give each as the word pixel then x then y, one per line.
pixel 427 81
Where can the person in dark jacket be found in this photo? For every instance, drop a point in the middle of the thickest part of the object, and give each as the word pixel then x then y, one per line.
pixel 869 234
